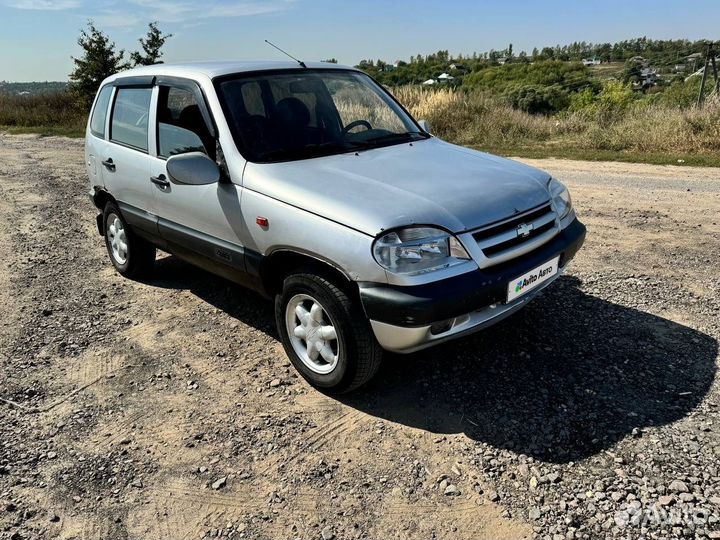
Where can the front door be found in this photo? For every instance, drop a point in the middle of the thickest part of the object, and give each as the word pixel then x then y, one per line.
pixel 203 219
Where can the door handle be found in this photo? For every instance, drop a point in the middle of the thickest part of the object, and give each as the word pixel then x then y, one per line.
pixel 160 180
pixel 109 165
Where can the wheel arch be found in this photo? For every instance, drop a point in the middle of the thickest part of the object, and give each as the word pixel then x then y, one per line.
pixel 100 199
pixel 277 265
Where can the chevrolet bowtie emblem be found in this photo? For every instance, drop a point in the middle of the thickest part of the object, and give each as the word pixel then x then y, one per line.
pixel 524 229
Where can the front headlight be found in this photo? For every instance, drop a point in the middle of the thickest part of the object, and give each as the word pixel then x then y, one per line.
pixel 416 250
pixel 560 197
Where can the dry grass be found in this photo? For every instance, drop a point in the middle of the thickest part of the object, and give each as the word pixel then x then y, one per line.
pixel 56 113
pixel 479 120
pixel 473 119
pixel 657 129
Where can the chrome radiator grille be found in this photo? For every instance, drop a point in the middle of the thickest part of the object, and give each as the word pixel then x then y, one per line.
pixel 518 234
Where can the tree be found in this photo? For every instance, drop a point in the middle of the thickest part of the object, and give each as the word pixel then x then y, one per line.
pixel 99 60
pixel 632 72
pixel 330 61
pixel 151 44
pixel 547 53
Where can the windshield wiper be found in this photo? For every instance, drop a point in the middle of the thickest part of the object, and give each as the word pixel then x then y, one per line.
pixel 311 150
pixel 388 137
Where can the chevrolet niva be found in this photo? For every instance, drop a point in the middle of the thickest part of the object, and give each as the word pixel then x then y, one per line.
pixel 314 186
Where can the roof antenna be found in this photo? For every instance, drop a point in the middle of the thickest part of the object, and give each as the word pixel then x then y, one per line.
pixel 287 54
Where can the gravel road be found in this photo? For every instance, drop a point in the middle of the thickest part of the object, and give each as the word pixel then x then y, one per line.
pixel 167 409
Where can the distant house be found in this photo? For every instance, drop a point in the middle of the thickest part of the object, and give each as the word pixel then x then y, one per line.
pixel 429 82
pixel 458 67
pixel 445 77
pixel 648 76
pixel 502 60
pixel 587 62
pixel 695 60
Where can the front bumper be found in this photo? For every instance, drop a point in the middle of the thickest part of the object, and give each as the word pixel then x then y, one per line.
pixel 410 318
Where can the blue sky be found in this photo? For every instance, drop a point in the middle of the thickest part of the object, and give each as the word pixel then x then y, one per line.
pixel 37 37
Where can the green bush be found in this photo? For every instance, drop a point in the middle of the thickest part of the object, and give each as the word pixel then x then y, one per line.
pixel 570 76
pixel 537 99
pixel 680 93
pixel 582 100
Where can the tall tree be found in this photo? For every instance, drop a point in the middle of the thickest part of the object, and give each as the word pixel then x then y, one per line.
pixel 99 60
pixel 152 45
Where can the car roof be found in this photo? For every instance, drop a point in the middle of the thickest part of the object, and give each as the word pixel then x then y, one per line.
pixel 217 69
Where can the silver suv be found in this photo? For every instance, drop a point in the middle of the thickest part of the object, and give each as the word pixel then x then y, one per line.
pixel 314 186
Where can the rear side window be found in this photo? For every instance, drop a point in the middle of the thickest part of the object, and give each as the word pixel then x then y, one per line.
pixel 129 124
pixel 97 122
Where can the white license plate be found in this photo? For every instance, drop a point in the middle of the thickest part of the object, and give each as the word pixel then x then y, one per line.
pixel 532 279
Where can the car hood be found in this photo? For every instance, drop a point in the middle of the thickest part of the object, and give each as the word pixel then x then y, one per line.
pixel 428 182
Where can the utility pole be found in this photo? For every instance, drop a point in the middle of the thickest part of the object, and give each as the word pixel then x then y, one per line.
pixel 709 61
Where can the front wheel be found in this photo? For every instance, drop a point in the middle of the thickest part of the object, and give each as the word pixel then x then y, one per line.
pixel 325 334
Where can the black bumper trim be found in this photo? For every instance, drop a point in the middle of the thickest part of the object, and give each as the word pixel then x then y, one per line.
pixel 421 305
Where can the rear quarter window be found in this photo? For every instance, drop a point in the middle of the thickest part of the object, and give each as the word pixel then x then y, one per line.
pixel 129 124
pixel 99 114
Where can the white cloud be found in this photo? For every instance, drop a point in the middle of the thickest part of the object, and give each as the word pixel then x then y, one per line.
pixel 244 9
pixel 44 5
pixel 117 19
pixel 185 11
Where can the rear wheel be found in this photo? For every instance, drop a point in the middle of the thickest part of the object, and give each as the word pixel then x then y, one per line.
pixel 325 333
pixel 132 256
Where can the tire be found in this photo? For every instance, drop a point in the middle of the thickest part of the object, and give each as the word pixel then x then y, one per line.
pixel 354 356
pixel 132 256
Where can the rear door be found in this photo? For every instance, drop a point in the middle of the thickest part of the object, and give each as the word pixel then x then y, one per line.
pixel 95 143
pixel 125 162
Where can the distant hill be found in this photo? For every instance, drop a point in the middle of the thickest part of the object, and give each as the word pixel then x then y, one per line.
pixel 668 57
pixel 31 88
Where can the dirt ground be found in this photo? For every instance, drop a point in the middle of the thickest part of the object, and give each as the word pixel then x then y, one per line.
pixel 167 409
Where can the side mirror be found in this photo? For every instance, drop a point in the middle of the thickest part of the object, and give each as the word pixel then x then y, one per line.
pixel 193 168
pixel 424 125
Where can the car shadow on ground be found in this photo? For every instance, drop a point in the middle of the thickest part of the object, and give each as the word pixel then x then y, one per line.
pixel 564 378
pixel 241 303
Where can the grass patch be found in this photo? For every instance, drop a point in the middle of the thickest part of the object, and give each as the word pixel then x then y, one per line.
pixel 610 130
pixel 46 131
pixel 47 114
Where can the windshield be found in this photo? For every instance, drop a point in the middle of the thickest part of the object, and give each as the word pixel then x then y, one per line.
pixel 299 114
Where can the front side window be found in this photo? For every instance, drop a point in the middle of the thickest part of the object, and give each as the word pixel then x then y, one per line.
pixel 181 126
pixel 97 122
pixel 298 114
pixel 129 124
